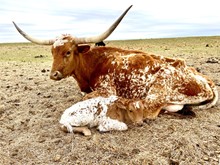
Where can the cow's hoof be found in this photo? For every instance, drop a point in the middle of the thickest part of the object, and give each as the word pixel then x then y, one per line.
pixel 64 128
pixel 84 130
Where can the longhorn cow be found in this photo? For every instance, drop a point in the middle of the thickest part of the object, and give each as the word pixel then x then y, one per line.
pixel 159 82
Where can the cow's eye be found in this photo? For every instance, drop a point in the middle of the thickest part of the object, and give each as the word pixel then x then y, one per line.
pixel 68 53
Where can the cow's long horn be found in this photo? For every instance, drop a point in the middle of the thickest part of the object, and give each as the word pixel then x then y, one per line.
pixel 104 35
pixel 34 40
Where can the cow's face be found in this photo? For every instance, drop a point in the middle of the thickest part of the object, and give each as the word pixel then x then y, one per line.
pixel 133 109
pixel 135 112
pixel 65 57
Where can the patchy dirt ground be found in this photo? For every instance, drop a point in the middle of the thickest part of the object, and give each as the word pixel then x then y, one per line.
pixel 31 105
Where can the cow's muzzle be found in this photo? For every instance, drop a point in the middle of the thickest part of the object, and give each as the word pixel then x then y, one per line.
pixel 56 75
pixel 139 123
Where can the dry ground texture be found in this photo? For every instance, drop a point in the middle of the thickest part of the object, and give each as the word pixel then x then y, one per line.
pixel 31 105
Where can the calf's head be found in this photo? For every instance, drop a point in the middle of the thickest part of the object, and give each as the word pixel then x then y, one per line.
pixel 133 110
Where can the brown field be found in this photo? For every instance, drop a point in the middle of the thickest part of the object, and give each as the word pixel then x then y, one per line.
pixel 31 105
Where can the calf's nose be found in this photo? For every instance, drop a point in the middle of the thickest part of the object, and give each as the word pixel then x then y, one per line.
pixel 139 123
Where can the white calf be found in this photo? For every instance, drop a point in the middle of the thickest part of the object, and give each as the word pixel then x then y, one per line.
pixel 91 112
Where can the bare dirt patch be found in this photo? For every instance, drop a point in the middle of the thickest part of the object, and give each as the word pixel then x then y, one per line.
pixel 31 105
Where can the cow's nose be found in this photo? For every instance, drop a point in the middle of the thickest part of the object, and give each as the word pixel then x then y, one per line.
pixel 63 128
pixel 139 123
pixel 56 75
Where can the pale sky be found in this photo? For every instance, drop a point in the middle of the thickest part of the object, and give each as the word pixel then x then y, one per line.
pixel 48 19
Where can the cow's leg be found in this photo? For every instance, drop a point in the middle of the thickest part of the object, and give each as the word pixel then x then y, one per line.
pixel 97 93
pixel 84 130
pixel 155 99
pixel 68 128
pixel 109 124
pixel 91 95
pixel 190 87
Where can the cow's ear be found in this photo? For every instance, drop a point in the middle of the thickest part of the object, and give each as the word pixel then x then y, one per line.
pixel 121 106
pixel 83 48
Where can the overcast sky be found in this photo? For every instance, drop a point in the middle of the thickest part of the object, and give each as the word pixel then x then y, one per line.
pixel 146 19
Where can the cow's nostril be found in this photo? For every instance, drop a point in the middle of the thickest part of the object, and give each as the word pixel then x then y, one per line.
pixel 140 123
pixel 56 75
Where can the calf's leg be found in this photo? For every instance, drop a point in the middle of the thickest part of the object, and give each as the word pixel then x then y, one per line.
pixel 109 124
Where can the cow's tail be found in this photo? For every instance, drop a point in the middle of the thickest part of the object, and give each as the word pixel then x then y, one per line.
pixel 210 103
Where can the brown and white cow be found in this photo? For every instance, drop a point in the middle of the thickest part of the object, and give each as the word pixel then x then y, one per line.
pixel 158 82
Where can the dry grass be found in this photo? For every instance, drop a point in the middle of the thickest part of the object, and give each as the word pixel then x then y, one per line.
pixel 24 52
pixel 31 105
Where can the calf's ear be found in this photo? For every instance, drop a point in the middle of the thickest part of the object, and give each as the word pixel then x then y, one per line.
pixel 83 48
pixel 121 106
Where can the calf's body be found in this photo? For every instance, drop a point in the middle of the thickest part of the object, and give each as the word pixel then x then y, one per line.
pixel 104 113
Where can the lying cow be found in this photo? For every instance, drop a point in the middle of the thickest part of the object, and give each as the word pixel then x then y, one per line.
pixel 163 83
pixel 106 114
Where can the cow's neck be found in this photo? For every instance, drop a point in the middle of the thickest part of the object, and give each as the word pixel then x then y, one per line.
pixel 85 65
